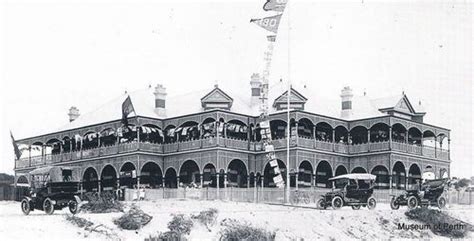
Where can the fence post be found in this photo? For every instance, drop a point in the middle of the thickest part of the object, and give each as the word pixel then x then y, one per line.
pixel 184 192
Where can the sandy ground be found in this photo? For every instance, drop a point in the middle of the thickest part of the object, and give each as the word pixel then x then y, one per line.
pixel 288 222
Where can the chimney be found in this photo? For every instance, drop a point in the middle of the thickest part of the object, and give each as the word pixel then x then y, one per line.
pixel 73 113
pixel 160 100
pixel 346 102
pixel 256 87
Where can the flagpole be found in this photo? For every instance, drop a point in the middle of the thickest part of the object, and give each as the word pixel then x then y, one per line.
pixel 287 194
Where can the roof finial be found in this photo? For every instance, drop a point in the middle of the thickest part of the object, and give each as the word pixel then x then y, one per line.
pixel 419 102
pixel 365 92
pixel 125 91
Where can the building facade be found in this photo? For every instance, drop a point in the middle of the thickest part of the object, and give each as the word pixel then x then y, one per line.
pixel 216 141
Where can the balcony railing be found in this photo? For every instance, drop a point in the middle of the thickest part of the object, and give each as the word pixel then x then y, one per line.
pixel 231 143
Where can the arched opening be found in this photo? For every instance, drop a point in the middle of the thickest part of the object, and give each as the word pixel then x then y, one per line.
pixel 108 178
pixel 170 135
pixel 382 180
pixel 323 173
pixel 429 139
pixel 37 149
pixel 128 175
pixel 236 129
pixel 359 170
pixel 443 173
pixel 189 173
pixel 414 136
pixel 414 175
pixel 171 178
pixel 209 128
pixel 127 134
pixel 398 133
pixel 151 175
pixel 305 128
pixel 305 174
pixel 323 132
pixel 379 132
pixel 22 181
pixel 151 134
pixel 188 131
pixel 341 135
pixel 108 137
pixel 53 147
pixel 257 133
pixel 90 180
pixel 90 140
pixel 67 144
pixel 278 129
pixel 398 176
pixel 237 173
pixel 209 175
pixel 442 142
pixel 341 170
pixel 269 174
pixel 358 135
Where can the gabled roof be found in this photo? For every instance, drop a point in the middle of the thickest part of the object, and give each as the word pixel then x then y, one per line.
pixel 216 96
pixel 399 103
pixel 295 97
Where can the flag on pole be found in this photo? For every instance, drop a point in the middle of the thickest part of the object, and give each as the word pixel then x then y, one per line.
pixel 127 108
pixel 269 23
pixel 275 5
pixel 15 147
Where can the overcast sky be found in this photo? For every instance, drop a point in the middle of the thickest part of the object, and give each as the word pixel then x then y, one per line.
pixel 55 54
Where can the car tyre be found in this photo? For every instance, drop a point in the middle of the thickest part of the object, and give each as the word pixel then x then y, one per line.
pixel 337 202
pixel 48 206
pixel 25 206
pixel 320 204
pixel 73 207
pixel 355 207
pixel 393 204
pixel 371 203
pixel 412 202
pixel 441 202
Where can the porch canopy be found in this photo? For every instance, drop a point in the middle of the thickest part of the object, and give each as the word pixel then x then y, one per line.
pixel 356 176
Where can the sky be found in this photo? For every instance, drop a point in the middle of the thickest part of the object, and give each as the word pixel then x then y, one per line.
pixel 57 54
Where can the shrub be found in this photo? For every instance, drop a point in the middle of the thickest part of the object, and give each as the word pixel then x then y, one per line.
pixel 207 217
pixel 105 202
pixel 440 223
pixel 80 222
pixel 180 224
pixel 134 219
pixel 166 236
pixel 235 230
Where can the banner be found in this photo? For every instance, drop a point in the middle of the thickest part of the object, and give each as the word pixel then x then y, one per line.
pixel 275 5
pixel 15 147
pixel 269 23
pixel 127 108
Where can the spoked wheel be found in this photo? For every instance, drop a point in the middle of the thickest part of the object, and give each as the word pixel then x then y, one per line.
pixel 320 204
pixel 441 202
pixel 337 202
pixel 393 204
pixel 73 207
pixel 412 202
pixel 356 207
pixel 25 206
pixel 371 203
pixel 48 206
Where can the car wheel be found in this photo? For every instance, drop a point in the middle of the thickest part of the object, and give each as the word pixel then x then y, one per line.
pixel 320 204
pixel 441 202
pixel 371 203
pixel 393 204
pixel 412 202
pixel 48 206
pixel 25 206
pixel 73 207
pixel 337 202
pixel 356 207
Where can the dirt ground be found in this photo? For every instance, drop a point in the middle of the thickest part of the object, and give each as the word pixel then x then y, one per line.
pixel 288 222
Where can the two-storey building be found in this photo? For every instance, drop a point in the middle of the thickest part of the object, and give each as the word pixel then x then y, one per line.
pixel 211 138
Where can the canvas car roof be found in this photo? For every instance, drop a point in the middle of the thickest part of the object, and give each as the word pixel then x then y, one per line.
pixel 47 169
pixel 357 176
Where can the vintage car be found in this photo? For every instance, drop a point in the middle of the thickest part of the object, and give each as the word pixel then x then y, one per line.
pixel 353 190
pixel 429 193
pixel 52 188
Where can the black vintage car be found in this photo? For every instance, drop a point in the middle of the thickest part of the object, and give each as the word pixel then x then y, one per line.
pixel 52 188
pixel 429 193
pixel 353 190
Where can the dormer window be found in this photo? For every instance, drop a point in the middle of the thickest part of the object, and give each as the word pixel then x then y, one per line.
pixel 216 99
